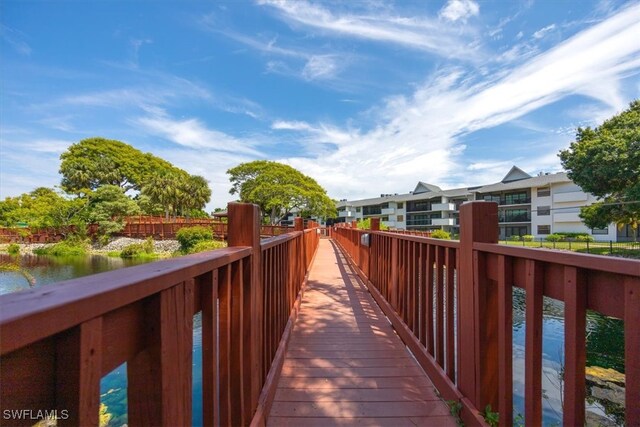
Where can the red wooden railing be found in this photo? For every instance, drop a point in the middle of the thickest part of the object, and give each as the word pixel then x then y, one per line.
pixel 137 230
pixel 57 342
pixel 414 280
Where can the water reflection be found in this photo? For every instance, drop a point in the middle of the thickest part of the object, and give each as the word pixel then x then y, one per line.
pixel 605 349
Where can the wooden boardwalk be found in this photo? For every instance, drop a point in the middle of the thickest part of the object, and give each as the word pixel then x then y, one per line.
pixel 345 365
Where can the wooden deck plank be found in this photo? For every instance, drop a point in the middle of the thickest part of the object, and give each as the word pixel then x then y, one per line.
pixel 345 365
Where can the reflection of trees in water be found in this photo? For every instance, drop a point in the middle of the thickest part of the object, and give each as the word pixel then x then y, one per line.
pixel 605 335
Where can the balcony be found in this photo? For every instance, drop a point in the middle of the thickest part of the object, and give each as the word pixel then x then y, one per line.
pixel 514 218
pixel 345 214
pixel 574 196
pixel 388 211
pixel 443 221
pixel 518 201
pixel 389 223
pixel 446 207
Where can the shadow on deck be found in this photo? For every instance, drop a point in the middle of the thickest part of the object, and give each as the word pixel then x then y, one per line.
pixel 345 365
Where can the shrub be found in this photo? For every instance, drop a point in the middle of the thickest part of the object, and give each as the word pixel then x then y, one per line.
pixel 148 246
pixel 527 238
pixel 554 238
pixel 13 249
pixel 207 245
pixel 64 248
pixel 190 236
pixel 514 238
pixel 585 238
pixel 133 250
pixel 441 234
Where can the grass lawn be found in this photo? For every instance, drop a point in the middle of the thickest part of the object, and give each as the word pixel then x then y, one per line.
pixel 622 249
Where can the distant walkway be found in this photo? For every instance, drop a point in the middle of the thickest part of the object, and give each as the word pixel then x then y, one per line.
pixel 345 365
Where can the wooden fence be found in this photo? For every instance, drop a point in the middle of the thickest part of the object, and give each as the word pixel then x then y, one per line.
pixel 138 230
pixel 432 288
pixel 60 340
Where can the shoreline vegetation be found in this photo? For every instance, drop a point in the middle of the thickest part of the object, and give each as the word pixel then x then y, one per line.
pixel 122 247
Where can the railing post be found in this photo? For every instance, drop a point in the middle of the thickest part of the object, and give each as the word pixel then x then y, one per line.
pixel 298 224
pixel 375 224
pixel 244 230
pixel 477 308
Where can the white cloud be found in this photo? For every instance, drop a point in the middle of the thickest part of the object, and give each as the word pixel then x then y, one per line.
pixel 192 133
pixel 417 136
pixel 460 10
pixel 320 67
pixel 15 39
pixel 413 32
pixel 544 31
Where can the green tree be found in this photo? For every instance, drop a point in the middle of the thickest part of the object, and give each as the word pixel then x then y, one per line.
pixel 93 162
pixel 605 161
pixel 43 207
pixel 109 207
pixel 278 189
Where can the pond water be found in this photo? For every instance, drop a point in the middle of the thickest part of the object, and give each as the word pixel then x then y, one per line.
pixel 605 346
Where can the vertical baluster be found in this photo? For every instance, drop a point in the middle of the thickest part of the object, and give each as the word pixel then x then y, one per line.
pixel 237 346
pixel 632 349
pixel 417 257
pixel 575 305
pixel 224 342
pixel 210 398
pixel 78 373
pixel 159 388
pixel 428 298
pixel 450 260
pixel 505 340
pixel 439 306
pixel 533 343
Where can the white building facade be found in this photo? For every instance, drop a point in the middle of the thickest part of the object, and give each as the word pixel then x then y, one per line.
pixel 527 205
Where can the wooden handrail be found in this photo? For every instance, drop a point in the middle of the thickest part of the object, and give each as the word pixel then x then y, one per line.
pixel 58 341
pixel 413 280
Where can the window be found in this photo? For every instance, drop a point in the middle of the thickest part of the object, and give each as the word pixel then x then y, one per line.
pixel 544 192
pixel 544 210
pixel 400 218
pixel 358 209
pixel 544 229
pixel 516 198
pixel 514 215
pixel 599 231
pixel 420 205
pixel 400 205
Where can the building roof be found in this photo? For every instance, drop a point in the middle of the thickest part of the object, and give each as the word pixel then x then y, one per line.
pixel 535 181
pixel 516 178
pixel 424 187
pixel 515 174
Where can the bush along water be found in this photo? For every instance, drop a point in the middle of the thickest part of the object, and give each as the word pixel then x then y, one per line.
pixel 13 249
pixel 189 237
pixel 139 250
pixel 73 246
pixel 207 245
pixel 441 234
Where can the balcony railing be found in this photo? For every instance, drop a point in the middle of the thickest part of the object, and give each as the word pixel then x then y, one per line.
pixel 514 218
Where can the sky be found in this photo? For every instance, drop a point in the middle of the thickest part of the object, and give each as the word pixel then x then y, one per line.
pixel 365 96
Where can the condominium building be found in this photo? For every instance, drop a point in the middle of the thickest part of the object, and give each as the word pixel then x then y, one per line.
pixel 534 205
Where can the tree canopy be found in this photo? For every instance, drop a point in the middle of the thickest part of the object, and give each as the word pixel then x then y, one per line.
pixel 93 162
pixel 605 161
pixel 278 189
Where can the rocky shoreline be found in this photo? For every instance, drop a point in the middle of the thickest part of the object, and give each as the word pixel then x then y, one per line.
pixel 117 244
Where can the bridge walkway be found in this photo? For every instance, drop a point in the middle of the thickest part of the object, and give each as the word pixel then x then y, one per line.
pixel 345 365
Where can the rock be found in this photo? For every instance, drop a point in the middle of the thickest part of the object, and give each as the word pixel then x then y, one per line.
pixel 603 376
pixel 120 243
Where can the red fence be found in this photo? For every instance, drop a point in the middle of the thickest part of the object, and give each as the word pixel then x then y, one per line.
pixel 60 340
pixel 414 280
pixel 137 230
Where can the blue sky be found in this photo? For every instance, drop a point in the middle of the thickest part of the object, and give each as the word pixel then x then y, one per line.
pixel 366 96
